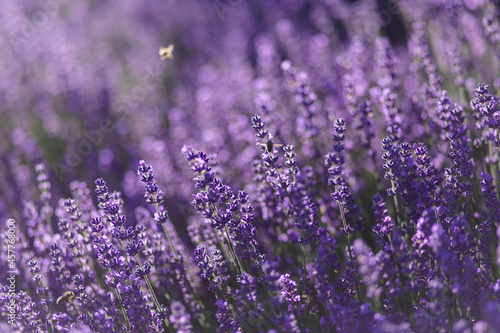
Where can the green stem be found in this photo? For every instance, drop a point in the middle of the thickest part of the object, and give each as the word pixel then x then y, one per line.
pixel 150 287
pixel 222 246
pixel 232 250
pixel 395 200
pixel 344 222
pixel 168 235
pixel 118 296
pixel 294 210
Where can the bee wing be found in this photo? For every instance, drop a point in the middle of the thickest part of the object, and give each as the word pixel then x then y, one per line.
pixel 66 296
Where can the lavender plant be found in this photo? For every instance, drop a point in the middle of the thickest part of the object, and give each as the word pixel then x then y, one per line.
pixel 281 166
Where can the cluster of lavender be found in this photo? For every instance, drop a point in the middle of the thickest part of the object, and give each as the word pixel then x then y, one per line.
pixel 319 166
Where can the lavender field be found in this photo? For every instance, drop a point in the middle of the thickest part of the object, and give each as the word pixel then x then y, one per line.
pixel 250 166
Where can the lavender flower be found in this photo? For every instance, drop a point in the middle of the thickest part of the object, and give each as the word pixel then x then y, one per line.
pixel 369 268
pixel 390 227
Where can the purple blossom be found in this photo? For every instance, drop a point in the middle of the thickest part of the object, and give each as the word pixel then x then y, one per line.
pixel 369 268
pixel 388 225
pixel 289 293
pixel 180 319
pixel 384 223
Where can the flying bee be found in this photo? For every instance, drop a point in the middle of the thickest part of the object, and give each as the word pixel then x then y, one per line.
pixel 167 52
pixel 269 145
pixel 310 301
pixel 68 296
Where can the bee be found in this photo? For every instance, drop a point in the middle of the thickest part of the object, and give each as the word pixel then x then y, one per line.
pixel 167 52
pixel 311 301
pixel 68 296
pixel 269 145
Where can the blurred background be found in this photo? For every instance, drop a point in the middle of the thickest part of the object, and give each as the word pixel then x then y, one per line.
pixel 84 91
